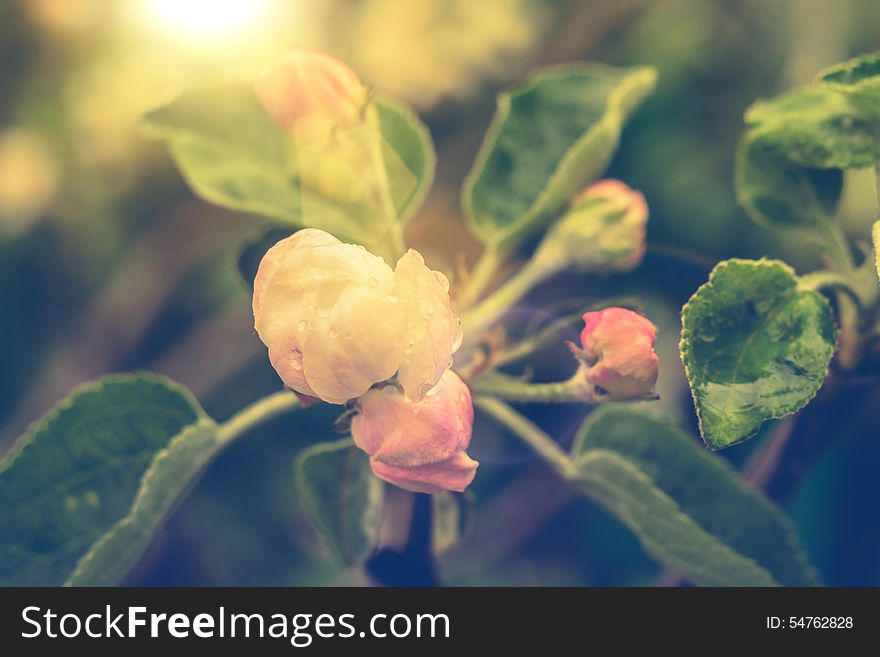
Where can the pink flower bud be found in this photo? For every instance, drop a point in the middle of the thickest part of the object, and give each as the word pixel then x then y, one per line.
pixel 419 446
pixel 618 345
pixel 305 84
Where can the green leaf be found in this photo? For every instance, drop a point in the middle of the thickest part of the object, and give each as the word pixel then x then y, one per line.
pixel 233 155
pixel 876 233
pixel 754 347
pixel 342 497
pixel 789 161
pixel 409 155
pixel 75 473
pixel 859 78
pixel 254 250
pixel 817 128
pixel 550 136
pixel 171 474
pixel 777 193
pixel 691 511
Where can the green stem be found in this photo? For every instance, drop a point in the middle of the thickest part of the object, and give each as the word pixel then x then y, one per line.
pixel 491 260
pixel 530 434
pixel 500 301
pixel 837 248
pixel 841 257
pixel 257 413
pixel 828 279
pixel 512 389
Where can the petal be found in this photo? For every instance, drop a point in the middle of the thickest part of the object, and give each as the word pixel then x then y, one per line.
pixel 400 432
pixel 287 359
pixel 317 297
pixel 455 473
pixel 432 330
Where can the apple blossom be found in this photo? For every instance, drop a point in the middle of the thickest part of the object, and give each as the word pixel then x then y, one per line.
pixel 337 319
pixel 618 349
pixel 418 445
pixel 308 85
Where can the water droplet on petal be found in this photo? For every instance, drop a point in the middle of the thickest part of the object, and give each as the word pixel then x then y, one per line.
pixel 372 281
pixel 302 326
pixel 392 298
pixel 296 359
pixel 333 332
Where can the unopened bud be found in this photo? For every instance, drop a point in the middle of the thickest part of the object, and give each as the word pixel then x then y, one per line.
pixel 618 354
pixel 602 231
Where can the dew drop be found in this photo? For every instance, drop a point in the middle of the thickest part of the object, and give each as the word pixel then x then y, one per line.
pixel 333 332
pixel 372 281
pixel 392 298
pixel 302 326
pixel 322 312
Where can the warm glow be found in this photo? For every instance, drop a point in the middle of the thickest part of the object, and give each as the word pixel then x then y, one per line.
pixel 207 17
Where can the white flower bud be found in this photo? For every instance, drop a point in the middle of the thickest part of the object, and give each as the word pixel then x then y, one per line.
pixel 338 320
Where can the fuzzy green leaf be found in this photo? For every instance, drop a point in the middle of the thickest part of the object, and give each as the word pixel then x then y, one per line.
pixel 75 474
pixel 789 161
pixel 233 155
pixel 170 476
pixel 754 347
pixel 691 511
pixel 817 128
pixel 550 136
pixel 859 78
pixel 342 497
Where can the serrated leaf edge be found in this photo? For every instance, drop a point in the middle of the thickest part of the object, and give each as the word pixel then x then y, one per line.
pixel 684 340
pixel 88 388
pixel 85 562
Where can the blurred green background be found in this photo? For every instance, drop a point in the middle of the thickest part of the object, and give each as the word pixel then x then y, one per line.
pixel 109 263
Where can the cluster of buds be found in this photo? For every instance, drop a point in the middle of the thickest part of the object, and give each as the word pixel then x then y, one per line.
pixel 344 327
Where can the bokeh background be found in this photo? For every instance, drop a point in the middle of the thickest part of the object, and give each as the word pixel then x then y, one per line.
pixel 109 263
